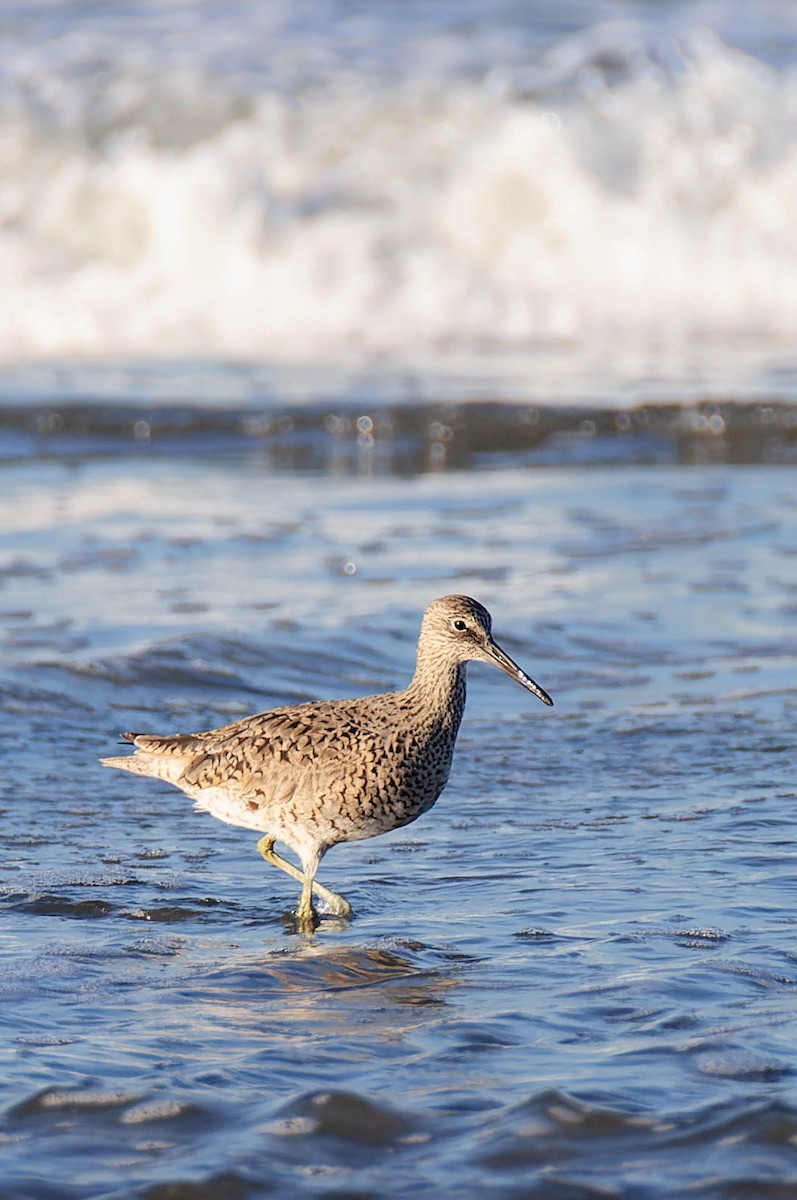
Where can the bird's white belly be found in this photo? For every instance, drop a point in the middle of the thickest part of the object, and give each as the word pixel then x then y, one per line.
pixel 226 806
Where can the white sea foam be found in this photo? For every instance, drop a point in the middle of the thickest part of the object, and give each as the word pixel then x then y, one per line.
pixel 608 194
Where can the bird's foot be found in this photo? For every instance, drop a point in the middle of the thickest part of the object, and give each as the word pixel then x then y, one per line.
pixel 306 919
pixel 338 907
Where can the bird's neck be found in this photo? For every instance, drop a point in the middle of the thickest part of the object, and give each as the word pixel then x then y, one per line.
pixel 439 690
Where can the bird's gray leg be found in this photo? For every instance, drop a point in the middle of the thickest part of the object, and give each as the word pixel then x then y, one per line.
pixel 306 917
pixel 338 906
pixel 266 848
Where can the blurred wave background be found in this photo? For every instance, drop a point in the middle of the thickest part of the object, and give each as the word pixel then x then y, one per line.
pixel 336 181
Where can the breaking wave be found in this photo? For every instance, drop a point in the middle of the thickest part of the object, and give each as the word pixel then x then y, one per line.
pixel 613 184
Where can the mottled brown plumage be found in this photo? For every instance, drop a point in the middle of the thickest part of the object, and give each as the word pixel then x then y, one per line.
pixel 312 775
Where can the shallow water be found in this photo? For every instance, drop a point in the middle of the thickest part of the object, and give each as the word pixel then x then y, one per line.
pixel 575 977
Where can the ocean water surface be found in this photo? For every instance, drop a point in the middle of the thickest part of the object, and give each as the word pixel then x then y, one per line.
pixel 310 314
pixel 575 977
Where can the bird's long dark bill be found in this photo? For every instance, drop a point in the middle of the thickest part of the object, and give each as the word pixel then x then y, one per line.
pixel 502 660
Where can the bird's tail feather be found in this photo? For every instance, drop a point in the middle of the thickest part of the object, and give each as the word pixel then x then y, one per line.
pixel 135 763
pixel 161 757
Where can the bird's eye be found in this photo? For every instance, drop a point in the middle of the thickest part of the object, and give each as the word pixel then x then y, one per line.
pixel 459 625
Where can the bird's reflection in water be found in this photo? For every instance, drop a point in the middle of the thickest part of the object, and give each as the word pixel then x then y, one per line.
pixel 358 994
